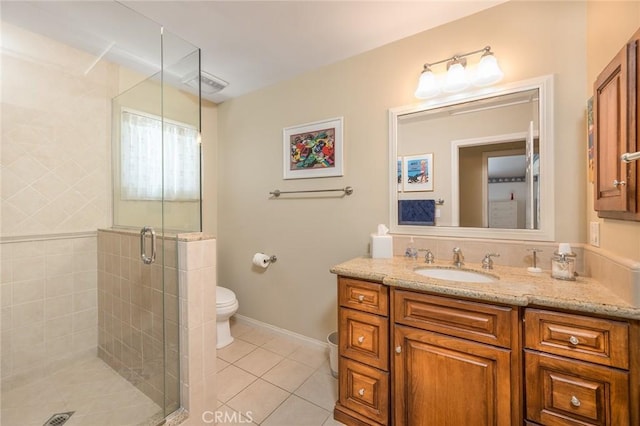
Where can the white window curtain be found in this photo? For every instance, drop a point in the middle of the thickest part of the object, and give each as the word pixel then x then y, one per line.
pixel 141 173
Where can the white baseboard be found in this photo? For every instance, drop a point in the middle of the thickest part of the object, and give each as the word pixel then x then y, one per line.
pixel 281 331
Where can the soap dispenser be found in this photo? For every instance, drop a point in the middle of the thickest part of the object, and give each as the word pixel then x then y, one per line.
pixel 411 250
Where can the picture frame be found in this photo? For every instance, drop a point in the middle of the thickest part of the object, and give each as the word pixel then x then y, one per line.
pixel 417 172
pixel 399 172
pixel 313 150
pixel 590 148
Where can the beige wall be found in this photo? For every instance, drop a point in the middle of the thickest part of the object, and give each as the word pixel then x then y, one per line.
pixel 310 235
pixel 610 26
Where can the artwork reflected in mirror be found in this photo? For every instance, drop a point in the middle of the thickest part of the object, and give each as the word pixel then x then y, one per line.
pixel 418 173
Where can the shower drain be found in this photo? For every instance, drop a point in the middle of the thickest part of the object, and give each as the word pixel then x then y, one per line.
pixel 58 419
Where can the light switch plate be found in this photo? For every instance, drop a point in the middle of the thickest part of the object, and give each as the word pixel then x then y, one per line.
pixel 594 234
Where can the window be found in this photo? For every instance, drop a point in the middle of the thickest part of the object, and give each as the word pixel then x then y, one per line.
pixel 142 168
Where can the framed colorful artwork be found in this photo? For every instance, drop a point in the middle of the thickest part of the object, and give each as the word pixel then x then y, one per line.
pixel 399 174
pixel 313 150
pixel 590 137
pixel 417 173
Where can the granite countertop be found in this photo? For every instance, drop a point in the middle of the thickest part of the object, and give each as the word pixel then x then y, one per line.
pixel 514 286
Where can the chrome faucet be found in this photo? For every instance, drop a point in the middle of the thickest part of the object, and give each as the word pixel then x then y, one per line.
pixel 458 257
pixel 487 262
pixel 428 256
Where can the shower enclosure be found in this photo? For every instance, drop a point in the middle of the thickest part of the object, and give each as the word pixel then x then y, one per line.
pixel 100 131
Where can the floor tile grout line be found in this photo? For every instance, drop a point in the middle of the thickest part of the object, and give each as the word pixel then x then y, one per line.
pixel 316 369
pixel 291 393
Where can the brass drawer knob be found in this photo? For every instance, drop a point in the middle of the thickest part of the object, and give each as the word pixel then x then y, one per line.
pixel 398 349
pixel 573 340
pixel 575 401
pixel 361 392
pixel 361 339
pixel 361 298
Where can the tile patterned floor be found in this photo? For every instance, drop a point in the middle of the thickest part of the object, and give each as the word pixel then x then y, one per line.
pixel 98 395
pixel 274 380
pixel 268 379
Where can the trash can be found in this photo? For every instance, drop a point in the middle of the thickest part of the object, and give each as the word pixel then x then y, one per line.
pixel 332 340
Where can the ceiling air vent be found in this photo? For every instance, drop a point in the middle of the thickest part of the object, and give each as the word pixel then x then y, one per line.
pixel 209 83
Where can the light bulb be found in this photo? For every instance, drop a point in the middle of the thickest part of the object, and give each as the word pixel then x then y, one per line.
pixel 456 78
pixel 427 85
pixel 488 72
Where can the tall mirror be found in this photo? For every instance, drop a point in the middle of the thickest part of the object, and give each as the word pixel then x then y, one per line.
pixel 477 165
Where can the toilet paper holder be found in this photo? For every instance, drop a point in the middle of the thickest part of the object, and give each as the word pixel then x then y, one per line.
pixel 263 260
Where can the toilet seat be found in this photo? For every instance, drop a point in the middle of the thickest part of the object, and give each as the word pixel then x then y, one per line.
pixel 224 297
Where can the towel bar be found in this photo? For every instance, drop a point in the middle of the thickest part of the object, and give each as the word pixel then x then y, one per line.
pixel 347 190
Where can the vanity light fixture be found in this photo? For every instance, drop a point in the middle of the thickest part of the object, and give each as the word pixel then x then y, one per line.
pixel 457 79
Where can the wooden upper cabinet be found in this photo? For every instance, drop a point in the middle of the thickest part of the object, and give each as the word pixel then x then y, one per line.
pixel 615 111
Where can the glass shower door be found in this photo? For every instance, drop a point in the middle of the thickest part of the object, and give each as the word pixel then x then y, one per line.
pixel 156 190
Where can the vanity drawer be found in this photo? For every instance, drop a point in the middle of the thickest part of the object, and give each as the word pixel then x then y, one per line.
pixel 364 390
pixel 475 321
pixel 364 337
pixel 363 296
pixel 566 392
pixel 596 340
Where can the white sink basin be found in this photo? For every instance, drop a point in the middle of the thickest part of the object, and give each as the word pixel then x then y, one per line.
pixel 459 275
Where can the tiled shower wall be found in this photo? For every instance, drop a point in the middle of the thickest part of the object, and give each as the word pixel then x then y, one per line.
pixel 55 136
pixel 55 171
pixel 134 314
pixel 49 304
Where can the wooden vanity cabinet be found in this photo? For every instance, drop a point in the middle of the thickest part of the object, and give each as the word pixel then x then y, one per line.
pixel 453 362
pixel 411 358
pixel 577 370
pixel 615 131
pixel 363 363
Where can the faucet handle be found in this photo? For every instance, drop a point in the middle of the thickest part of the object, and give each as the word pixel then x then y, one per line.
pixel 534 267
pixel 428 256
pixel 487 262
pixel 458 257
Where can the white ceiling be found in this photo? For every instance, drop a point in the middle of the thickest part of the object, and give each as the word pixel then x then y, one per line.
pixel 250 44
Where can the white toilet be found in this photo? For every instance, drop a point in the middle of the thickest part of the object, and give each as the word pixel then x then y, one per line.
pixel 226 306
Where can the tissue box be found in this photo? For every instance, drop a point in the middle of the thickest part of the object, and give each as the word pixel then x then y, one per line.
pixel 381 246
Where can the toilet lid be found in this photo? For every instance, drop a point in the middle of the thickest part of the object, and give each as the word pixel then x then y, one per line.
pixel 224 296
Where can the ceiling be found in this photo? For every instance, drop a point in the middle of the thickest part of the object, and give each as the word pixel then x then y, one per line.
pixel 249 44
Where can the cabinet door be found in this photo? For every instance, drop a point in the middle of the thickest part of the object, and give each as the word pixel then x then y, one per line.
pixel 446 381
pixel 611 133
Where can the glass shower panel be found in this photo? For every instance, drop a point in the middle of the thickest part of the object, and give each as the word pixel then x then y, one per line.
pixel 181 113
pixel 156 183
pixel 181 184
pixel 156 149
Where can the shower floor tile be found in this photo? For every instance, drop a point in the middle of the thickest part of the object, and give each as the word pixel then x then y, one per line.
pixel 89 387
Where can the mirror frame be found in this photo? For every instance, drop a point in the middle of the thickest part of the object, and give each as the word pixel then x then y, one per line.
pixel 546 232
